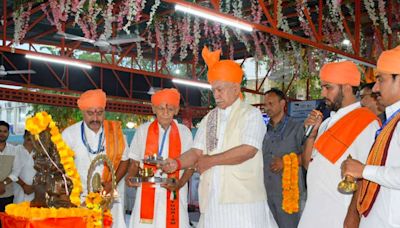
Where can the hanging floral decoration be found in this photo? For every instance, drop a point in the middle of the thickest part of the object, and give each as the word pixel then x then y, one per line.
pixel 290 183
pixel 98 217
pixel 43 121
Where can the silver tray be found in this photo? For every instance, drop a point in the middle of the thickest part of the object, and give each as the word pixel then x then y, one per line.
pixel 152 161
pixel 155 180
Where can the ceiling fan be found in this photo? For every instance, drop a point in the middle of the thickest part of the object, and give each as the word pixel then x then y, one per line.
pixel 3 71
pixel 103 43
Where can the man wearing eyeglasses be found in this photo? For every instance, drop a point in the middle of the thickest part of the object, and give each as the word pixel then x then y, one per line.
pixel 369 99
pixel 94 136
pixel 379 198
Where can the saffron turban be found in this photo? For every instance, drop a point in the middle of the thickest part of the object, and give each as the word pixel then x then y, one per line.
pixel 341 73
pixel 224 70
pixel 168 96
pixel 95 98
pixel 389 61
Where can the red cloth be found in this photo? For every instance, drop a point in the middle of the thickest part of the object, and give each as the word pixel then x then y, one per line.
pixel 224 70
pixel 168 96
pixel 341 73
pixel 389 61
pixel 95 98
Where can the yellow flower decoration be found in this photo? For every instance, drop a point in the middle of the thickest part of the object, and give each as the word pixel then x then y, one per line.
pixel 290 183
pixel 43 121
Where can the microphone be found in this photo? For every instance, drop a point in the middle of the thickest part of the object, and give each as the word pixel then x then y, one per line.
pixel 309 128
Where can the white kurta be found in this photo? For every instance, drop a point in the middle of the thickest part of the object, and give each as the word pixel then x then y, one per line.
pixel 27 173
pixel 12 150
pixel 137 150
pixel 234 215
pixel 385 211
pixel 72 136
pixel 326 206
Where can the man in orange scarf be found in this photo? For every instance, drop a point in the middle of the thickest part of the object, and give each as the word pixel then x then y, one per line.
pixel 379 198
pixel 93 136
pixel 227 152
pixel 165 205
pixel 349 130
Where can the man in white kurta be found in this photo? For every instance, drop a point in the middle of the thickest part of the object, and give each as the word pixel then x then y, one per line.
pixel 227 151
pixel 23 189
pixel 160 102
pixel 87 139
pixel 384 210
pixel 326 206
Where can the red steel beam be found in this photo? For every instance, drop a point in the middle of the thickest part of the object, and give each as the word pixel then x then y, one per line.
pixel 271 21
pixel 312 26
pixel 116 75
pixel 90 78
pixel 357 26
pixel 14 67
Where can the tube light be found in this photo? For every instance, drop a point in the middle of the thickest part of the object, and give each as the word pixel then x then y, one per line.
pixel 60 61
pixel 357 61
pixel 206 15
pixel 191 83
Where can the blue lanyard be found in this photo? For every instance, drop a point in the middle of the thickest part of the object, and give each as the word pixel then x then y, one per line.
pixel 386 122
pixel 100 146
pixel 162 142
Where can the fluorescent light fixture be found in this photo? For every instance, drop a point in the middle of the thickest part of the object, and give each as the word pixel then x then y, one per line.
pixel 191 83
pixel 357 61
pixel 10 86
pixel 206 15
pixel 60 61
pixel 346 42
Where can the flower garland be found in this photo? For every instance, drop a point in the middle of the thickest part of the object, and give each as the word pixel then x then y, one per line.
pixel 290 183
pixel 41 122
pixel 23 210
pixel 21 20
pixel 93 202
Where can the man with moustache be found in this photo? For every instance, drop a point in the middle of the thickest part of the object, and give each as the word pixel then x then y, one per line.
pixel 227 152
pixel 11 154
pixel 350 130
pixel 284 136
pixel 379 198
pixel 369 99
pixel 93 136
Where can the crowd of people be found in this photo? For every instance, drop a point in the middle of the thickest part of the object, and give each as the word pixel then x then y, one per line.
pixel 241 160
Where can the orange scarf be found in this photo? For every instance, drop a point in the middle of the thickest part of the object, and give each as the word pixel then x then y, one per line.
pixel 148 192
pixel 377 156
pixel 115 145
pixel 334 142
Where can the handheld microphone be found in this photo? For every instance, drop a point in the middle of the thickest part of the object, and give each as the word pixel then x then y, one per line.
pixel 309 128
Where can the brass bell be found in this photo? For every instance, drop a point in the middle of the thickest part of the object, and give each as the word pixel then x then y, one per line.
pixel 349 184
pixel 96 183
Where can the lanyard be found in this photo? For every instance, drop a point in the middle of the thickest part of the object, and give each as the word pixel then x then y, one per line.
pixel 386 122
pixel 100 146
pixel 162 142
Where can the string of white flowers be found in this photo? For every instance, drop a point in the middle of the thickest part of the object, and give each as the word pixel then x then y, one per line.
pixel 21 19
pixel 131 14
pixel 336 14
pixel 382 15
pixel 108 19
pixel 184 37
pixel 159 28
pixel 279 14
pixel 196 40
pixel 370 6
pixel 300 6
pixel 78 11
pixel 237 8
pixel 171 43
pixel 139 52
pixel 153 11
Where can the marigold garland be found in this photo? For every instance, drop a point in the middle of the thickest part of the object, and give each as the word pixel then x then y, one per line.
pixel 41 122
pixel 290 183
pixel 24 210
pixel 93 202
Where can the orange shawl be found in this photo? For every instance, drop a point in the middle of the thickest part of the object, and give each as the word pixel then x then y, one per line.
pixel 148 192
pixel 334 142
pixel 115 145
pixel 377 156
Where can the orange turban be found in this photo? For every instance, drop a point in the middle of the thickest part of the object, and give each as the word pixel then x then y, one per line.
pixel 169 96
pixel 224 70
pixel 389 61
pixel 341 73
pixel 94 98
